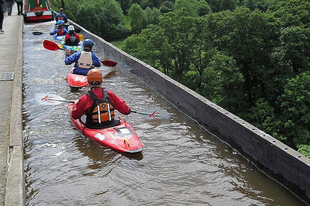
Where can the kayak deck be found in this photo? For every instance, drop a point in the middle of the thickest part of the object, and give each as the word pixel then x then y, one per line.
pixel 121 138
pixel 76 80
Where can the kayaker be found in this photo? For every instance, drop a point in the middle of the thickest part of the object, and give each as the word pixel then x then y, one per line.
pixel 61 16
pixel 107 100
pixel 84 60
pixel 60 29
pixel 72 38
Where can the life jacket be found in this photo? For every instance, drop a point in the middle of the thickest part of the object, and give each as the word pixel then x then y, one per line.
pixel 102 110
pixel 85 61
pixel 72 41
pixel 60 18
pixel 60 32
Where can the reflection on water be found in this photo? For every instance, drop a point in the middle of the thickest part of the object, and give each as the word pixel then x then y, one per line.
pixel 181 163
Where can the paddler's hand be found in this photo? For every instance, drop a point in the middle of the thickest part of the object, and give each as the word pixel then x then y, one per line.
pixel 68 53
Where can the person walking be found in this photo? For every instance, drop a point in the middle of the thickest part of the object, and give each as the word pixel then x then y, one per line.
pixel 19 6
pixel 10 6
pixel 3 8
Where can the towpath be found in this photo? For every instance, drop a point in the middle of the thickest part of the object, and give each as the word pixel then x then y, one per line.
pixel 11 142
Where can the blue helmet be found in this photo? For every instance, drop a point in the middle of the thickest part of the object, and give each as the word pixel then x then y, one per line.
pixel 88 43
pixel 60 22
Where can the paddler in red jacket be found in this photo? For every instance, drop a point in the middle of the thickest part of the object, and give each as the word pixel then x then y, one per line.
pixel 98 97
pixel 72 38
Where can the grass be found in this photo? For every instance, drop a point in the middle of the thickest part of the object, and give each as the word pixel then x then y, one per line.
pixel 119 44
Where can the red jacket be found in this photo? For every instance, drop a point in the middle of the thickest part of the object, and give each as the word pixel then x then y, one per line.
pixel 68 36
pixel 85 103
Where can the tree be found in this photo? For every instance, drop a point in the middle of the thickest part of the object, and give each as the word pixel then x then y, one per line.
pixel 137 16
pixel 190 6
pixel 203 8
pixel 166 6
pixel 151 3
pixel 295 106
pixel 106 19
pixel 227 5
pixel 152 15
pixel 125 5
pixel 251 4
pixel 291 12
pixel 239 34
pixel 222 82
pixel 295 48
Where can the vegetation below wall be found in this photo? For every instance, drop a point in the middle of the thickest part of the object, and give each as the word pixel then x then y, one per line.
pixel 251 57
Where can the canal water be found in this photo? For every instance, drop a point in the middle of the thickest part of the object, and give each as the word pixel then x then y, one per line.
pixel 182 164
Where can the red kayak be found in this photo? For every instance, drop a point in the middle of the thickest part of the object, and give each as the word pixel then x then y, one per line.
pixel 121 138
pixel 76 80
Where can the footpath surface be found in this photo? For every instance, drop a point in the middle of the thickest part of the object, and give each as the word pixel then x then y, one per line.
pixel 12 184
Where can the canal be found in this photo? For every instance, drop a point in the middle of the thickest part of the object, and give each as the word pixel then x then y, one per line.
pixel 182 164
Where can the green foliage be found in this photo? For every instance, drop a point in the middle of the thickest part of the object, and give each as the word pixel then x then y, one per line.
pixel 190 6
pixel 152 15
pixel 291 12
pixel 227 5
pixel 262 115
pixel 119 43
pixel 239 34
pixel 251 4
pixel 125 5
pixel 305 150
pixel 203 8
pixel 295 106
pixel 102 17
pixel 166 7
pixel 137 16
pixel 222 82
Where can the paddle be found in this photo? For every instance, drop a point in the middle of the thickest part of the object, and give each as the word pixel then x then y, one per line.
pixel 49 45
pixel 53 99
pixel 157 114
pixel 81 37
pixel 50 99
pixel 37 33
pixel 108 63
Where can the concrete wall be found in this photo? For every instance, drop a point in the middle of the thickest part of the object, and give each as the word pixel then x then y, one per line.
pixel 284 163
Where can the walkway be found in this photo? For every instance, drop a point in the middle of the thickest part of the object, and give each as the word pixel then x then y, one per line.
pixel 11 142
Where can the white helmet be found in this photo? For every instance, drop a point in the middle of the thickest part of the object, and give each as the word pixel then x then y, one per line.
pixel 71 28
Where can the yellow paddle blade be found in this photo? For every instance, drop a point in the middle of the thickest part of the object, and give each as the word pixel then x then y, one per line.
pixel 81 37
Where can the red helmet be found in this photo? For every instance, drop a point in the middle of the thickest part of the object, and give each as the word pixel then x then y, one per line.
pixel 94 75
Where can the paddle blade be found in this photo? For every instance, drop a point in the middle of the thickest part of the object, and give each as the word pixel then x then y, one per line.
pixel 81 37
pixel 37 33
pixel 50 45
pixel 108 63
pixel 49 99
pixel 110 74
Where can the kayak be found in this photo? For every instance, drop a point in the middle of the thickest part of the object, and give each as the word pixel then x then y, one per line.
pixel 76 80
pixel 120 138
pixel 71 48
pixel 61 37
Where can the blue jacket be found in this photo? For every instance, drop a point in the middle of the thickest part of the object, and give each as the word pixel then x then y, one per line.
pixel 75 57
pixel 64 30
pixel 64 17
